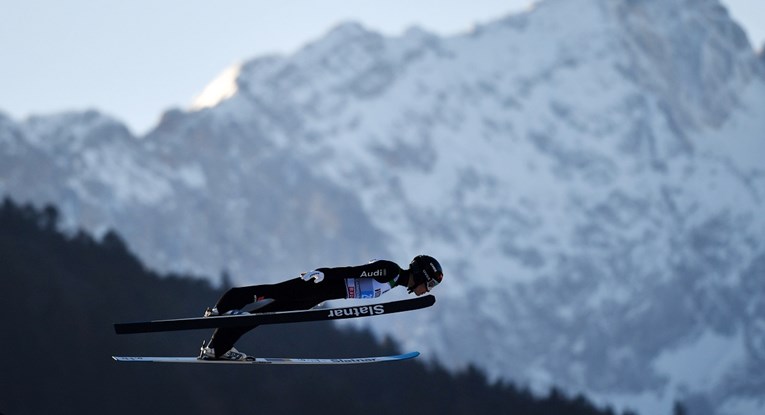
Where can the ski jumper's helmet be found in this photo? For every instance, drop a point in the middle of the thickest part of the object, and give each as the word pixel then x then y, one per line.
pixel 425 269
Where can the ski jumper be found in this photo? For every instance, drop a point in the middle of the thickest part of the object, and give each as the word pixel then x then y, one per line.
pixel 363 281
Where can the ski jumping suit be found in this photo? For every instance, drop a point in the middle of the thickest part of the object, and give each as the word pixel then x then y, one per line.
pixel 364 281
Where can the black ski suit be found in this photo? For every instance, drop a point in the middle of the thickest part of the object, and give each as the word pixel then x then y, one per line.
pixel 363 281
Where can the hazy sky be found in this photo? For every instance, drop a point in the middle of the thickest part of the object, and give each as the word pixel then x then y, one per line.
pixel 134 59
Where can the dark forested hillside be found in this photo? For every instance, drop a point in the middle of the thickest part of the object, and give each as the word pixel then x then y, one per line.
pixel 61 294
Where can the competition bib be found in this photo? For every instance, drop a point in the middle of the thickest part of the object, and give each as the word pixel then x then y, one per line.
pixel 365 288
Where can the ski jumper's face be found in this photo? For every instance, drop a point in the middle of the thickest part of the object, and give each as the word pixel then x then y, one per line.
pixel 420 289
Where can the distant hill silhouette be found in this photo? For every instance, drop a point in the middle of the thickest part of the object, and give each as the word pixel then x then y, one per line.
pixel 61 294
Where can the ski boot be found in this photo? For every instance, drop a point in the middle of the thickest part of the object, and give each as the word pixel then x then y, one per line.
pixel 259 303
pixel 213 312
pixel 208 353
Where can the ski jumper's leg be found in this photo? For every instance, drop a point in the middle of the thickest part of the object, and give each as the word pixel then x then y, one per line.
pixel 238 297
pixel 290 295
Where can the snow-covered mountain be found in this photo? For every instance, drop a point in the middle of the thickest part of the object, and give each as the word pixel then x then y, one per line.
pixel 589 173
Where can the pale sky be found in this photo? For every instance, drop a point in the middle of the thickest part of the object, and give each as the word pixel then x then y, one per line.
pixel 135 59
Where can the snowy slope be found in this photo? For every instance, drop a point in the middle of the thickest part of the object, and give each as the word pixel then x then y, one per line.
pixel 593 186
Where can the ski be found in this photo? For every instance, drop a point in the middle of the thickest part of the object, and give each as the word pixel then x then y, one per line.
pixel 272 360
pixel 246 320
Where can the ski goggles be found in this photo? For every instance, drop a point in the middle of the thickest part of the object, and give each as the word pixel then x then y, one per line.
pixel 432 282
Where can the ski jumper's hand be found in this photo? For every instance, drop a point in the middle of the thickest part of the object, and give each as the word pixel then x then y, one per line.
pixel 317 276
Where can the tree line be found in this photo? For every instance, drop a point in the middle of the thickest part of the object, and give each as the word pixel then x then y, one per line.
pixel 63 290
